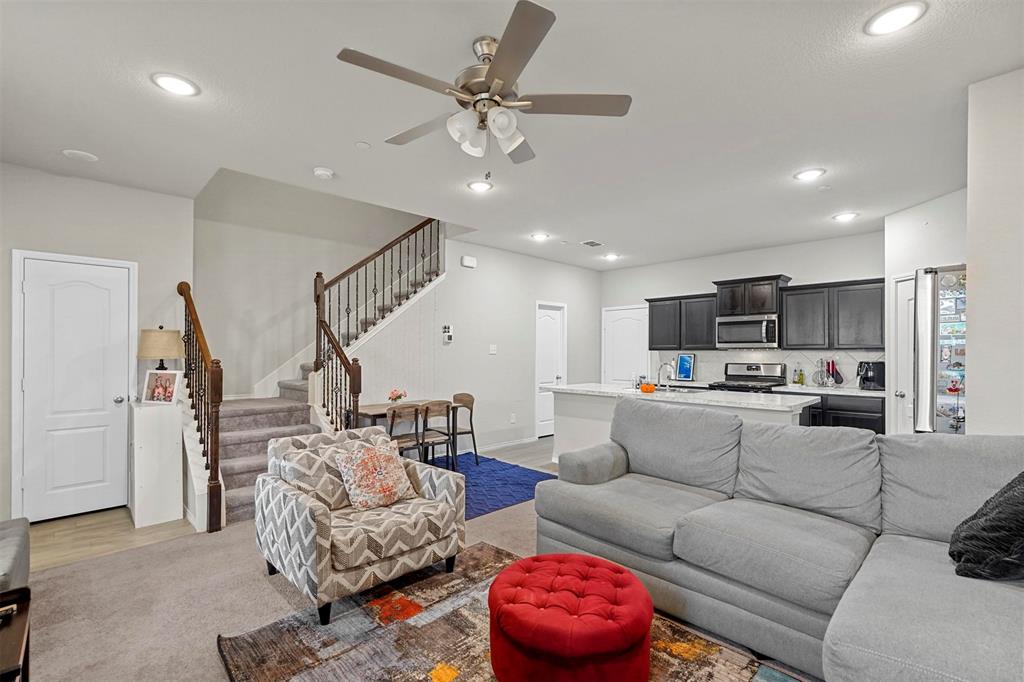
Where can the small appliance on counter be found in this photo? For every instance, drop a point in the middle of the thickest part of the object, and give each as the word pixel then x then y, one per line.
pixel 871 376
pixel 751 377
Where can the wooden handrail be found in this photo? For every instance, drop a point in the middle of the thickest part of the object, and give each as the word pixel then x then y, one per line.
pixel 205 377
pixel 336 345
pixel 377 253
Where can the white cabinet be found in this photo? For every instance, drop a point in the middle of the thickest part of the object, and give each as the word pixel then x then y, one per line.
pixel 155 471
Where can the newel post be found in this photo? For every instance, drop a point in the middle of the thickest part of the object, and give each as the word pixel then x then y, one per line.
pixel 355 387
pixel 213 486
pixel 318 300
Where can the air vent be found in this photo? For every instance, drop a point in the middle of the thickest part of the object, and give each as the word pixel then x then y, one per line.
pixel 591 243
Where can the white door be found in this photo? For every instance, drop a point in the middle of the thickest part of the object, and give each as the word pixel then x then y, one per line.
pixel 551 362
pixel 76 346
pixel 901 368
pixel 624 353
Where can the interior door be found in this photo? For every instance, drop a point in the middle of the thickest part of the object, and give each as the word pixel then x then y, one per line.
pixel 900 370
pixel 624 351
pixel 551 360
pixel 76 346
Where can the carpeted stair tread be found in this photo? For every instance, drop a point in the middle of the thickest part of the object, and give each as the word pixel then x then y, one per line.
pixel 256 435
pixel 243 407
pixel 293 384
pixel 241 465
pixel 307 369
pixel 240 503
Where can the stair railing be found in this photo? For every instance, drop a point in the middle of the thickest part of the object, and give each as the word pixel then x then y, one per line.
pixel 205 380
pixel 353 302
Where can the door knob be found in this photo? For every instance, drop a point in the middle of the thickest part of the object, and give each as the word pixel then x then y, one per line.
pixel 900 394
pixel 118 399
pixel 558 377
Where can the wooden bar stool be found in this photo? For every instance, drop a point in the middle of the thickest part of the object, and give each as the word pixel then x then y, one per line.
pixel 462 401
pixel 430 436
pixel 406 414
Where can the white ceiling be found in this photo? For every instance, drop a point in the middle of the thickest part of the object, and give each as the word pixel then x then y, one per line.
pixel 729 100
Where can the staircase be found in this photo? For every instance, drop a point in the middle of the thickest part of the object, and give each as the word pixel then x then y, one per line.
pixel 246 425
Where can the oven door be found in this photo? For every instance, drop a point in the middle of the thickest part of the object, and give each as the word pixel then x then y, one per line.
pixel 748 331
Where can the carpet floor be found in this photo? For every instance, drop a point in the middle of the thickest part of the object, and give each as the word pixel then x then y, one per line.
pixel 431 625
pixel 493 484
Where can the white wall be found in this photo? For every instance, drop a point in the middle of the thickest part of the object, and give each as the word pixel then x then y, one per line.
pixel 44 212
pixel 995 254
pixel 258 244
pixel 931 234
pixel 492 304
pixel 826 260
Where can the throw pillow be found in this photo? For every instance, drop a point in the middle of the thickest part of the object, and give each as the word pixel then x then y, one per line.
pixel 989 544
pixel 314 473
pixel 374 475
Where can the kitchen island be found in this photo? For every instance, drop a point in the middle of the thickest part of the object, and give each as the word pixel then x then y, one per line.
pixel 583 412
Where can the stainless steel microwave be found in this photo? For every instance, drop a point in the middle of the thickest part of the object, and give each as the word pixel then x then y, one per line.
pixel 747 331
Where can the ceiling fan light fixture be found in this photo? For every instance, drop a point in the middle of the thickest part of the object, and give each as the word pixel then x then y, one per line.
pixel 462 126
pixel 509 144
pixel 502 122
pixel 476 144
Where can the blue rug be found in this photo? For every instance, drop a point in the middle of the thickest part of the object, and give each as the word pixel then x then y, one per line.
pixel 495 484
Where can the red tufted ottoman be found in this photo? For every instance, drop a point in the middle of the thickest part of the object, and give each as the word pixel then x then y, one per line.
pixel 558 617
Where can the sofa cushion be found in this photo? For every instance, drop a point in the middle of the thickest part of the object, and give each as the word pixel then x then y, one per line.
pixel 834 471
pixel 374 475
pixel 931 482
pixel 794 554
pixel 278 447
pixel 907 616
pixel 315 474
pixel 687 445
pixel 633 511
pixel 360 537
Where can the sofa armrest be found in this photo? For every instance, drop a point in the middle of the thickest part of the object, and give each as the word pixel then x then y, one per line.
pixel 293 530
pixel 440 484
pixel 596 464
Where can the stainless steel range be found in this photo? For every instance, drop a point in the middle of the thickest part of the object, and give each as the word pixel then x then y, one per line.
pixel 751 377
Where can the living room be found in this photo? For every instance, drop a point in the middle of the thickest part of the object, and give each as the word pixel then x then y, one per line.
pixel 548 295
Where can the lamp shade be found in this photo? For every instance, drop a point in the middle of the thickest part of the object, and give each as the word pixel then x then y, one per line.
pixel 160 344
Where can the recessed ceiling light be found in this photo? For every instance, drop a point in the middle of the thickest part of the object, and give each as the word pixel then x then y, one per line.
pixel 540 236
pixel 845 217
pixel 363 145
pixel 480 186
pixel 894 18
pixel 176 85
pixel 79 155
pixel 611 256
pixel 323 173
pixel 809 174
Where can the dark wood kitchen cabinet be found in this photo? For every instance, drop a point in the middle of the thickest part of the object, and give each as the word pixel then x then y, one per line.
pixel 858 316
pixel 871 422
pixel 860 412
pixel 699 329
pixel 663 321
pixel 750 296
pixel 805 318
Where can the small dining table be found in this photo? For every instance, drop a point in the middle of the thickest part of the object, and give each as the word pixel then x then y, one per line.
pixel 376 411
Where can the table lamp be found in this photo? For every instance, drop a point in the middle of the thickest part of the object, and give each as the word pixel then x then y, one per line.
pixel 160 344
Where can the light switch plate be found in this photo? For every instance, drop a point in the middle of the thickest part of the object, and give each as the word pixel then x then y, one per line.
pixel 494 349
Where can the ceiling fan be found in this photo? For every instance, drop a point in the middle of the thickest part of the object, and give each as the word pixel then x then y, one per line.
pixel 488 91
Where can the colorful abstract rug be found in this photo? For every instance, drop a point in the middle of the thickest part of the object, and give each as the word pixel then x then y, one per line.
pixel 495 484
pixel 431 625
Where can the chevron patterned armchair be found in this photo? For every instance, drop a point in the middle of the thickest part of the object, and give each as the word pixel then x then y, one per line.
pixel 307 530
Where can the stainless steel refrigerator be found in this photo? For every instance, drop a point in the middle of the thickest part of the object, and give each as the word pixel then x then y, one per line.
pixel 940 350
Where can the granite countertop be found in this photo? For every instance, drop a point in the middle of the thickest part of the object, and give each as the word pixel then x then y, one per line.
pixel 838 390
pixel 751 401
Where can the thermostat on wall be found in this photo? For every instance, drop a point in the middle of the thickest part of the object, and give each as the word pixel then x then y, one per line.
pixel 468 262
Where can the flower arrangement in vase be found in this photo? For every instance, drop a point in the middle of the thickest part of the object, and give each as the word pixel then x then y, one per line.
pixel 397 394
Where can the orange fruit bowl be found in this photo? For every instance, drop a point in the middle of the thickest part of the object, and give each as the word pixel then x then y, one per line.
pixel 647 388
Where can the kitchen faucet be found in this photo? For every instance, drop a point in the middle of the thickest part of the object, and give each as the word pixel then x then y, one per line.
pixel 660 367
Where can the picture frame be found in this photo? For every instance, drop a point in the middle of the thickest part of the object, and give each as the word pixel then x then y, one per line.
pixel 162 387
pixel 684 366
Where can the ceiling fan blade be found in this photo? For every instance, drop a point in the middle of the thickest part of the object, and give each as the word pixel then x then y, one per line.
pixel 525 30
pixel 580 105
pixel 419 131
pixel 522 153
pixel 366 61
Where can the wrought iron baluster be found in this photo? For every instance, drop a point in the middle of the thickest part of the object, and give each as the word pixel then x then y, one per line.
pixel 348 311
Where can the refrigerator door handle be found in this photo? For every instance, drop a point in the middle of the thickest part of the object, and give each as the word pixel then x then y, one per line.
pixel 925 330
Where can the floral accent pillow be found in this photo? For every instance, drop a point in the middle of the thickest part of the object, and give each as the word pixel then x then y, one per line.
pixel 374 475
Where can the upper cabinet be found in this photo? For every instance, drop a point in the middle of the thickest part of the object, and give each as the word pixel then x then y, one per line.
pixel 663 324
pixel 846 315
pixel 682 323
pixel 750 296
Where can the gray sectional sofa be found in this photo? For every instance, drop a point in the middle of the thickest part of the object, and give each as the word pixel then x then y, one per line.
pixel 824 548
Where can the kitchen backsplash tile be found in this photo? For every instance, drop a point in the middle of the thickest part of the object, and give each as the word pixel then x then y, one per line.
pixel 709 365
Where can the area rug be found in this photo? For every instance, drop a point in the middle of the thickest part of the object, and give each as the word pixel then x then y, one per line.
pixel 432 625
pixel 495 484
